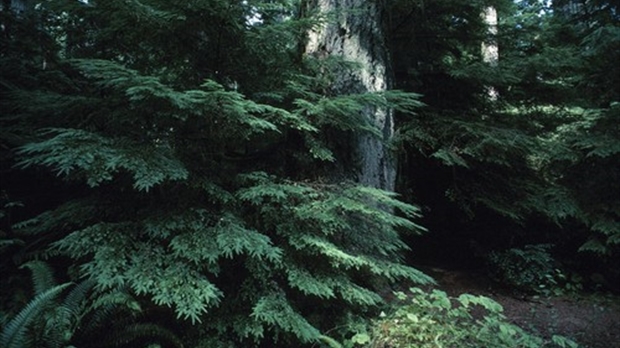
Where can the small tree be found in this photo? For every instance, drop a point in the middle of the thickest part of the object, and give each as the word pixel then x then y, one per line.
pixel 203 182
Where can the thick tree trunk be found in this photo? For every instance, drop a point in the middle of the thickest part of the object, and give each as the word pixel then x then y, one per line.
pixel 355 33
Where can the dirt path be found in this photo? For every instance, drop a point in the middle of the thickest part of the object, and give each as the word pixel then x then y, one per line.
pixel 591 320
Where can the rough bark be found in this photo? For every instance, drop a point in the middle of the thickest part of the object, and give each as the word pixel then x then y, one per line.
pixel 355 33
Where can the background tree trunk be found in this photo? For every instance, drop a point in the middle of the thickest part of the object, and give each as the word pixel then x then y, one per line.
pixel 18 6
pixel 490 48
pixel 355 33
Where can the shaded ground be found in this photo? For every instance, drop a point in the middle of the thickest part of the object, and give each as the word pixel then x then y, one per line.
pixel 591 320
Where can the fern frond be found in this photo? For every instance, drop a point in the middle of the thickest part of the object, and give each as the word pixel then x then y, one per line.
pixel 105 309
pixel 331 343
pixel 74 303
pixel 13 333
pixel 7 243
pixel 42 276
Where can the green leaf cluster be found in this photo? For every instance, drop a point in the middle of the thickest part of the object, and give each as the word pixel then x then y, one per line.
pixel 434 319
pixel 53 322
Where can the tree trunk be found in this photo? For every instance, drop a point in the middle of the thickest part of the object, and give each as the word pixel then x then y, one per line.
pixel 20 7
pixel 356 34
pixel 490 49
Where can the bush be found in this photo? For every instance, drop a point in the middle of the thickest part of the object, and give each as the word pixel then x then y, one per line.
pixel 433 319
pixel 531 269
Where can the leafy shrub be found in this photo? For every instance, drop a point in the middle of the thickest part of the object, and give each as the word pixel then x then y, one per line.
pixel 531 269
pixel 433 319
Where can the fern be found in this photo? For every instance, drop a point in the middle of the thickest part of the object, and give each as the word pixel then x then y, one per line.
pixel 42 276
pixel 78 319
pixel 13 334
pixel 73 306
pixel 7 243
pixel 105 307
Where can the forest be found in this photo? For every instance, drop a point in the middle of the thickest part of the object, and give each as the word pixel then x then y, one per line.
pixel 309 173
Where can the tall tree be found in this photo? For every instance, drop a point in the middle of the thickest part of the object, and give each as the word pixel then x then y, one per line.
pixel 354 32
pixel 490 49
pixel 531 158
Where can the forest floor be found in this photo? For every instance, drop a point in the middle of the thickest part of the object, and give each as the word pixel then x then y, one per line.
pixel 592 320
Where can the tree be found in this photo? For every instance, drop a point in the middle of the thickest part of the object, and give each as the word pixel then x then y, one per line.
pixel 355 33
pixel 195 150
pixel 229 161
pixel 511 162
pixel 490 50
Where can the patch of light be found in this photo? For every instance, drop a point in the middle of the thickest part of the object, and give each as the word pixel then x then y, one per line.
pixel 254 18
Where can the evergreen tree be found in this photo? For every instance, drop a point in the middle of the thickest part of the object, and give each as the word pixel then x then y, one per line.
pixel 537 152
pixel 201 150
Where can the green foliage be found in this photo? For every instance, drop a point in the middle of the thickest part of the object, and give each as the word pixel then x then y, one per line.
pixel 128 336
pixel 209 147
pixel 545 148
pixel 433 319
pixel 273 310
pixel 97 158
pixel 42 276
pixel 530 269
pixel 193 149
pixel 119 259
pixel 77 319
pixel 339 222
pixel 588 165
pixel 296 242
pixel 329 237
pixel 14 333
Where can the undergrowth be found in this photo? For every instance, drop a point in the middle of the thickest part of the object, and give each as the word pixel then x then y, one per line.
pixel 424 319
